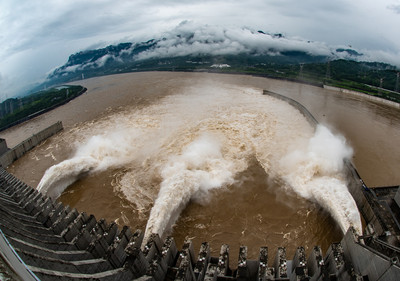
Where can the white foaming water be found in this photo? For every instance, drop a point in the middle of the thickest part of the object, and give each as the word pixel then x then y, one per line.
pixel 314 171
pixel 59 177
pixel 201 167
pixel 98 154
pixel 187 144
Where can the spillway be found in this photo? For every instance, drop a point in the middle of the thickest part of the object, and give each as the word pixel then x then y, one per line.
pixel 180 155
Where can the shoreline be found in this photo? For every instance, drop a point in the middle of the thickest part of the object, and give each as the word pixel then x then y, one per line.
pixel 38 113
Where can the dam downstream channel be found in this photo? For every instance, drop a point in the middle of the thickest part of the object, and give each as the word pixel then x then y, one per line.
pixel 252 210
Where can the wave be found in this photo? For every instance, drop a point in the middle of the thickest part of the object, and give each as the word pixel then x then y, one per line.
pixel 185 145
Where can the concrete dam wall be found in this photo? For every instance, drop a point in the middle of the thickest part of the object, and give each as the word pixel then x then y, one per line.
pixel 49 241
pixel 356 186
pixel 15 153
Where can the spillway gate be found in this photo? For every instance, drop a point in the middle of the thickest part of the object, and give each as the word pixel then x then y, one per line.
pixel 54 242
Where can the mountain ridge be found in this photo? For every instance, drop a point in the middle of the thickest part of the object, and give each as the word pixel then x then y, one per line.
pixel 208 48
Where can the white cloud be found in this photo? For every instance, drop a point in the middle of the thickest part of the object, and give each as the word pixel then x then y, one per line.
pixel 395 8
pixel 189 38
pixel 30 26
pixel 217 40
pixel 100 62
pixel 381 56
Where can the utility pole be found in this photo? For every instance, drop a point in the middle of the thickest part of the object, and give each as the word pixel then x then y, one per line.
pixel 396 88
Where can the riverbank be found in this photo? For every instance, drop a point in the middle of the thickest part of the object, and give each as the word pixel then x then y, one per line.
pixel 40 112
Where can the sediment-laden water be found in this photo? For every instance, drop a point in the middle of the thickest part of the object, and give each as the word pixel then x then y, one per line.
pixel 207 157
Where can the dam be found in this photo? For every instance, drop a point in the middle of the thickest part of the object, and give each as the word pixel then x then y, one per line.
pixel 53 242
pixel 233 265
pixel 57 243
pixel 75 245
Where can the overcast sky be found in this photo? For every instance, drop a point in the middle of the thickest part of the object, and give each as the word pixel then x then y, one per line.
pixel 39 35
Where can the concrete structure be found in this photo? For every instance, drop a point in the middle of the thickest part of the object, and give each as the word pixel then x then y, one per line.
pixel 44 240
pixel 382 214
pixel 13 154
pixel 310 118
pixel 3 146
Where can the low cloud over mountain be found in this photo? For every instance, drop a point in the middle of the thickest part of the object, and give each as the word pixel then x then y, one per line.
pixel 191 40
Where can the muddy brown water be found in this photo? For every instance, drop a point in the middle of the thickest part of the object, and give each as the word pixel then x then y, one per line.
pixel 253 213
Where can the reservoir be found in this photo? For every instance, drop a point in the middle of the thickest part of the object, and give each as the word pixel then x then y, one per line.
pixel 155 121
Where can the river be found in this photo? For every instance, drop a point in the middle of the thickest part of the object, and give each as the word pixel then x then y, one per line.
pixel 155 120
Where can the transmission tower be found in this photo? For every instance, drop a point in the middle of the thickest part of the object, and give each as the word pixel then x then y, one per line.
pixel 328 71
pixel 380 86
pixel 301 71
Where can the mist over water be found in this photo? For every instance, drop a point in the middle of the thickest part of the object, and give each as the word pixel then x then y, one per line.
pixel 97 154
pixel 183 146
pixel 201 167
pixel 313 171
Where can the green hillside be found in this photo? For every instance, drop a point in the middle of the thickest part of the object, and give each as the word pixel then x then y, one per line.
pixel 16 110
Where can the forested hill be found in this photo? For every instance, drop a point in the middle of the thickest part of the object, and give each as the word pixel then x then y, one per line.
pixel 16 110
